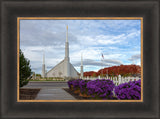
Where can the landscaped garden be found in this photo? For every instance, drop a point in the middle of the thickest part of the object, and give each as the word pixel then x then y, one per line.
pixel 104 89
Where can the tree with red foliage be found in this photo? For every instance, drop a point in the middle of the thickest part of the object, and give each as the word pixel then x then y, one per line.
pixel 90 74
pixel 123 70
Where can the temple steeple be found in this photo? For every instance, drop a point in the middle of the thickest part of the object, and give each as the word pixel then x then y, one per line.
pixel 67 34
pixel 67 60
pixel 64 69
pixel 43 66
pixel 43 58
pixel 67 45
pixel 81 66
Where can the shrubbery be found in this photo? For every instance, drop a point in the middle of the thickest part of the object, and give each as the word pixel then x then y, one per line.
pixel 83 85
pixel 104 89
pixel 75 84
pixel 96 89
pixel 130 90
pixel 100 88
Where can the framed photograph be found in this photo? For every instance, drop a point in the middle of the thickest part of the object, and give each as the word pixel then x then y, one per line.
pixel 67 59
pixel 94 78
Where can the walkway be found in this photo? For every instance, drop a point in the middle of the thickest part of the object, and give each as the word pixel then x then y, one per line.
pixel 51 90
pixel 53 94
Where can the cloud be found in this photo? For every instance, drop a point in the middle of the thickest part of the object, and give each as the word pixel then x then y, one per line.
pixel 43 34
pixel 138 63
pixel 135 57
pixel 116 39
pixel 115 62
pixel 89 62
pixel 108 40
pixel 106 62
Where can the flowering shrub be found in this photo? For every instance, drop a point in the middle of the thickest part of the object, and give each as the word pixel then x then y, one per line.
pixel 103 89
pixel 83 85
pixel 70 83
pixel 100 88
pixel 130 90
pixel 75 84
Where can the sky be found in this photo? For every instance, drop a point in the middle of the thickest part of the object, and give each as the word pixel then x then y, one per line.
pixel 118 40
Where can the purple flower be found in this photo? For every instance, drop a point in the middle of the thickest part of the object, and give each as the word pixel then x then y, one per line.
pixel 100 88
pixel 82 85
pixel 69 83
pixel 130 90
pixel 75 83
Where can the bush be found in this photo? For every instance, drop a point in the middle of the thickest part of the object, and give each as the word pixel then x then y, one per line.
pixel 75 84
pixel 130 90
pixel 83 86
pixel 100 88
pixel 70 83
pixel 97 89
pixel 103 89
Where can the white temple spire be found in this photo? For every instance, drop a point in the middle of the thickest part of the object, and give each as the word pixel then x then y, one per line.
pixel 43 66
pixel 81 59
pixel 43 58
pixel 81 66
pixel 67 34
pixel 64 69
pixel 67 59
pixel 67 45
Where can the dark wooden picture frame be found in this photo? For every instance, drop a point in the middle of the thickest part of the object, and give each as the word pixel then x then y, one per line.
pixel 148 9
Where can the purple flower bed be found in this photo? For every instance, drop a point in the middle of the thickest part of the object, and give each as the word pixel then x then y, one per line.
pixel 83 85
pixel 130 90
pixel 103 89
pixel 100 88
pixel 74 83
pixel 70 83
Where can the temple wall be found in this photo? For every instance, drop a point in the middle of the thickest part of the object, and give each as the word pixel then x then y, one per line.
pixel 74 73
pixel 59 71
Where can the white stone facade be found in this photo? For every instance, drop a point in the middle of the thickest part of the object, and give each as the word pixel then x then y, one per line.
pixel 60 71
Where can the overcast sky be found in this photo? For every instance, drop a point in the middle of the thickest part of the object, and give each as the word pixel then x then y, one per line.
pixel 118 40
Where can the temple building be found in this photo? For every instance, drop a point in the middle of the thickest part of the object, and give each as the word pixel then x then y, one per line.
pixel 64 69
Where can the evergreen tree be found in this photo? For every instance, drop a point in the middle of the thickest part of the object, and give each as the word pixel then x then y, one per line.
pixel 25 70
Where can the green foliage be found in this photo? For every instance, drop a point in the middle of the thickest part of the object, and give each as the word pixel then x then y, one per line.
pixel 25 70
pixel 38 75
pixel 94 75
